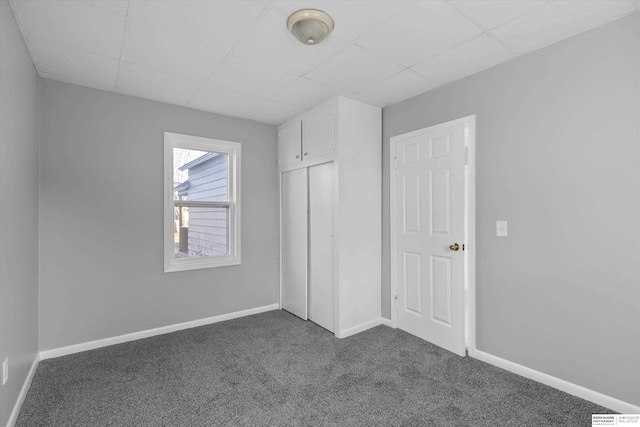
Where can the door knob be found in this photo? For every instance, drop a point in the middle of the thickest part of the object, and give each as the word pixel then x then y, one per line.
pixel 454 247
pixel 297 156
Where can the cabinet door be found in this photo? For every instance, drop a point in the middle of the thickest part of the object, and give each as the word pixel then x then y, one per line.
pixel 318 133
pixel 294 242
pixel 289 144
pixel 321 217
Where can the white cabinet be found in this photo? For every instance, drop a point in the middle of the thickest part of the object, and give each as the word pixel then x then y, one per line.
pixel 290 143
pixel 331 216
pixel 318 133
pixel 307 137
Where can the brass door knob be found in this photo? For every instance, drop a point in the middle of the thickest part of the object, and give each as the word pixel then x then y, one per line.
pixel 454 247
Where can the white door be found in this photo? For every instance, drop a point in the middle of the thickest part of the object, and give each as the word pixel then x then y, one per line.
pixel 321 213
pixel 294 242
pixel 428 199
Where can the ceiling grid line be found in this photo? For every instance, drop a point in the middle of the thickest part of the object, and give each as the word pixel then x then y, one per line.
pixel 124 35
pixel 484 29
pixel 230 52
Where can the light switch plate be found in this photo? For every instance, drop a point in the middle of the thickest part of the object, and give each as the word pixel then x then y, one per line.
pixel 501 228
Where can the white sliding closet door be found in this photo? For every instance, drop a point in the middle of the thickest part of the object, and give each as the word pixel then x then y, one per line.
pixel 294 242
pixel 321 216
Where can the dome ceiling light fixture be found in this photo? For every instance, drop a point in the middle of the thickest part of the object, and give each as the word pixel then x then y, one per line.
pixel 310 26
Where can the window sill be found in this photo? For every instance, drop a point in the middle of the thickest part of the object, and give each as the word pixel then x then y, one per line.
pixel 174 265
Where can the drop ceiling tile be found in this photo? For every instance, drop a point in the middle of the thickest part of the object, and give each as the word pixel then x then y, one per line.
pixel 81 41
pixel 269 42
pixel 73 24
pixel 419 33
pixel 273 112
pixel 490 13
pixel 559 20
pixel 351 18
pixel 143 82
pixel 306 93
pixel 398 87
pixel 170 54
pixel 245 76
pixel 223 101
pixel 471 57
pixel 60 62
pixel 218 24
pixel 353 69
pixel 119 7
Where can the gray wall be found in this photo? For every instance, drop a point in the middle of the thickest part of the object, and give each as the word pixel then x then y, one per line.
pixel 18 209
pixel 558 156
pixel 101 213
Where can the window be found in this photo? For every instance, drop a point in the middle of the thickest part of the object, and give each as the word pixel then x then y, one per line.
pixel 202 202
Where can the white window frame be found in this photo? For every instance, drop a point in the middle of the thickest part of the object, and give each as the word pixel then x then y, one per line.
pixel 232 149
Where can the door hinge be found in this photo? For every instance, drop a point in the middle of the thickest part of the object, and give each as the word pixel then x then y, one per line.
pixel 395 299
pixel 395 162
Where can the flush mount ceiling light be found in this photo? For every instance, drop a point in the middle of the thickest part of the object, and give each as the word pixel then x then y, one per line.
pixel 310 26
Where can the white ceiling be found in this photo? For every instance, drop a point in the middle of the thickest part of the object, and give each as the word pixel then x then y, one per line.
pixel 238 57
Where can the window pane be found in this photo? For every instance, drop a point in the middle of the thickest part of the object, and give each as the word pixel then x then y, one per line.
pixel 199 175
pixel 200 232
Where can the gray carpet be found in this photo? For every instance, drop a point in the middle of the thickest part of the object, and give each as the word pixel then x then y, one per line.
pixel 273 369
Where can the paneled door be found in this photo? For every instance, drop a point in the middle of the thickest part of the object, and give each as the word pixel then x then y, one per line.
pixel 428 199
pixel 294 242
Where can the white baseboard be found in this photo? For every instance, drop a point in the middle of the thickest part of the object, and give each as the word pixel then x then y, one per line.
pixel 574 389
pixel 91 345
pixel 360 328
pixel 386 322
pixel 23 392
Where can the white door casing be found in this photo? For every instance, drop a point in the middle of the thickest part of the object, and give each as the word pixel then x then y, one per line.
pixel 294 242
pixel 427 203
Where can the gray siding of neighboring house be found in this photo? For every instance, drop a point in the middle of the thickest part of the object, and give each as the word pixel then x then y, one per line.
pixel 208 226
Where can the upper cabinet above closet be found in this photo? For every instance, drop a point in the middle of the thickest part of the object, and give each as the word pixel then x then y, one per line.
pixel 307 137
pixel 330 166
